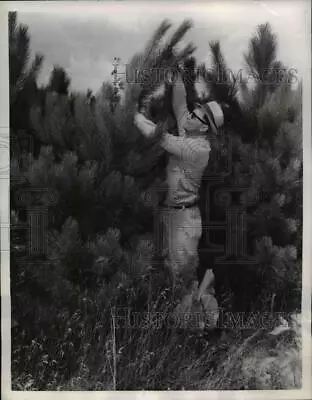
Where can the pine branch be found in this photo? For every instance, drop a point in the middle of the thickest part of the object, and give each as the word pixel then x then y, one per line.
pixel 12 25
pixel 36 66
pixel 156 58
pixel 262 51
pixel 179 34
pixel 154 42
pixel 23 51
pixel 222 85
pixel 185 53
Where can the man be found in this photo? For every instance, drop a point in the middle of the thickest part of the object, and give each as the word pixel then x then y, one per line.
pixel 189 155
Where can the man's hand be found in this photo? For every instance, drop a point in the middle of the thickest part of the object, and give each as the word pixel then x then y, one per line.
pixel 160 129
pixel 142 103
pixel 146 126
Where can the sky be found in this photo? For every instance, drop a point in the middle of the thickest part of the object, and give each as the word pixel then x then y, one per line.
pixel 84 38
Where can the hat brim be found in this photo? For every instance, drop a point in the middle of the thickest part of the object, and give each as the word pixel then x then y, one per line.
pixel 212 125
pixel 202 107
pixel 210 118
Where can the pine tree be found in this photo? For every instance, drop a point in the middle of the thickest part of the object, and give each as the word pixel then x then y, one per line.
pixel 23 87
pixel 264 146
pixel 107 95
pixel 59 81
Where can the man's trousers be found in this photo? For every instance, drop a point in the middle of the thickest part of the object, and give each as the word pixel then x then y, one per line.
pixel 178 232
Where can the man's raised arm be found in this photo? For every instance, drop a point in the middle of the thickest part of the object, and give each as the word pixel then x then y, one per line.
pixel 188 149
pixel 179 103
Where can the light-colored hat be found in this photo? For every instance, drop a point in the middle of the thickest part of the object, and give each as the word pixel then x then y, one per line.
pixel 215 115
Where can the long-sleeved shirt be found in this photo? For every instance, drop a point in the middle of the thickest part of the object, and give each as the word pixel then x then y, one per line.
pixel 189 157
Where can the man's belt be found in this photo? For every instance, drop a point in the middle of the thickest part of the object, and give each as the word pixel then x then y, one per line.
pixel 181 206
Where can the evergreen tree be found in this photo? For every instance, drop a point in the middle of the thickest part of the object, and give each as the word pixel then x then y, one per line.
pixel 59 81
pixel 107 95
pixel 23 88
pixel 264 147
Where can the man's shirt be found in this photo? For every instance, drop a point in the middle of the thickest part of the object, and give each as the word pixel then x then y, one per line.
pixel 188 158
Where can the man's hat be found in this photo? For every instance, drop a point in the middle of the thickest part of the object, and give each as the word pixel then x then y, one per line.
pixel 214 114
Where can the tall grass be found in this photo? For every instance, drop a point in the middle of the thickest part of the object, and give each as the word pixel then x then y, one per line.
pixel 95 349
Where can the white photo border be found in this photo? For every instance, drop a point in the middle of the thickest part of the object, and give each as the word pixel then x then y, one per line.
pixel 7 393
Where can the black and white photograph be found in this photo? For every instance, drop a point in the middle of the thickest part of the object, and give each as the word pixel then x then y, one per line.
pixel 155 205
